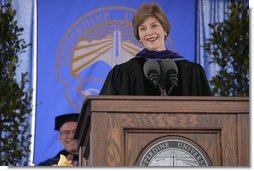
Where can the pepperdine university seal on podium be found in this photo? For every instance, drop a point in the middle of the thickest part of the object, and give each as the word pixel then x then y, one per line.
pixel 173 151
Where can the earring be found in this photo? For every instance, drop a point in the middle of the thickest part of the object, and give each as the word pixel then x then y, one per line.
pixel 140 41
pixel 165 34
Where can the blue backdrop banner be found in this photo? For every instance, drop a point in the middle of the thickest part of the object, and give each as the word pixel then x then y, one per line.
pixel 79 42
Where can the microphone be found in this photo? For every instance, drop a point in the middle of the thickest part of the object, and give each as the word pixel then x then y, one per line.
pixel 152 72
pixel 170 70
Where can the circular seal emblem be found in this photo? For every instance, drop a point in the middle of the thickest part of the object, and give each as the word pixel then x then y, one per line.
pixel 90 47
pixel 173 151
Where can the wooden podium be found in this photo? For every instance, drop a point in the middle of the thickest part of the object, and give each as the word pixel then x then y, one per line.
pixel 115 130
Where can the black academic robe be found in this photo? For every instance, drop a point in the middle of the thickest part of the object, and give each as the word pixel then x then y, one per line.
pixel 54 160
pixel 128 79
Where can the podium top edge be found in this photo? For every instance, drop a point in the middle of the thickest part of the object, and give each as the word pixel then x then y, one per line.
pixel 175 98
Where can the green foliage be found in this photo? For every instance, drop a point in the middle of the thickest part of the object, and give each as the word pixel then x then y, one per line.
pixel 229 48
pixel 15 99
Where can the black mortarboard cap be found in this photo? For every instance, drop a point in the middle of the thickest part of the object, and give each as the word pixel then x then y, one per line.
pixel 60 120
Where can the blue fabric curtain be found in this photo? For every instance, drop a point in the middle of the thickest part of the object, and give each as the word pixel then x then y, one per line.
pixel 25 19
pixel 209 11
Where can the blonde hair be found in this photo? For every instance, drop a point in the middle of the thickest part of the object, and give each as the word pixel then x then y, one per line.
pixel 146 11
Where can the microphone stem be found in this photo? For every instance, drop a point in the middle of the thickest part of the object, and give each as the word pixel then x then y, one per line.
pixel 163 92
pixel 171 88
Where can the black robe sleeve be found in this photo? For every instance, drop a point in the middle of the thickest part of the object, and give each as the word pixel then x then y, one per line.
pixel 116 82
pixel 200 86
pixel 193 81
pixel 55 159
pixel 49 162
pixel 203 85
pixel 125 79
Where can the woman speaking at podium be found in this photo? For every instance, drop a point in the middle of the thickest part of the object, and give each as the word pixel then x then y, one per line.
pixel 155 70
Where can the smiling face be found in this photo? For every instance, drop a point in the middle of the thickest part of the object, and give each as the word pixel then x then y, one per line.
pixel 66 136
pixel 152 34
